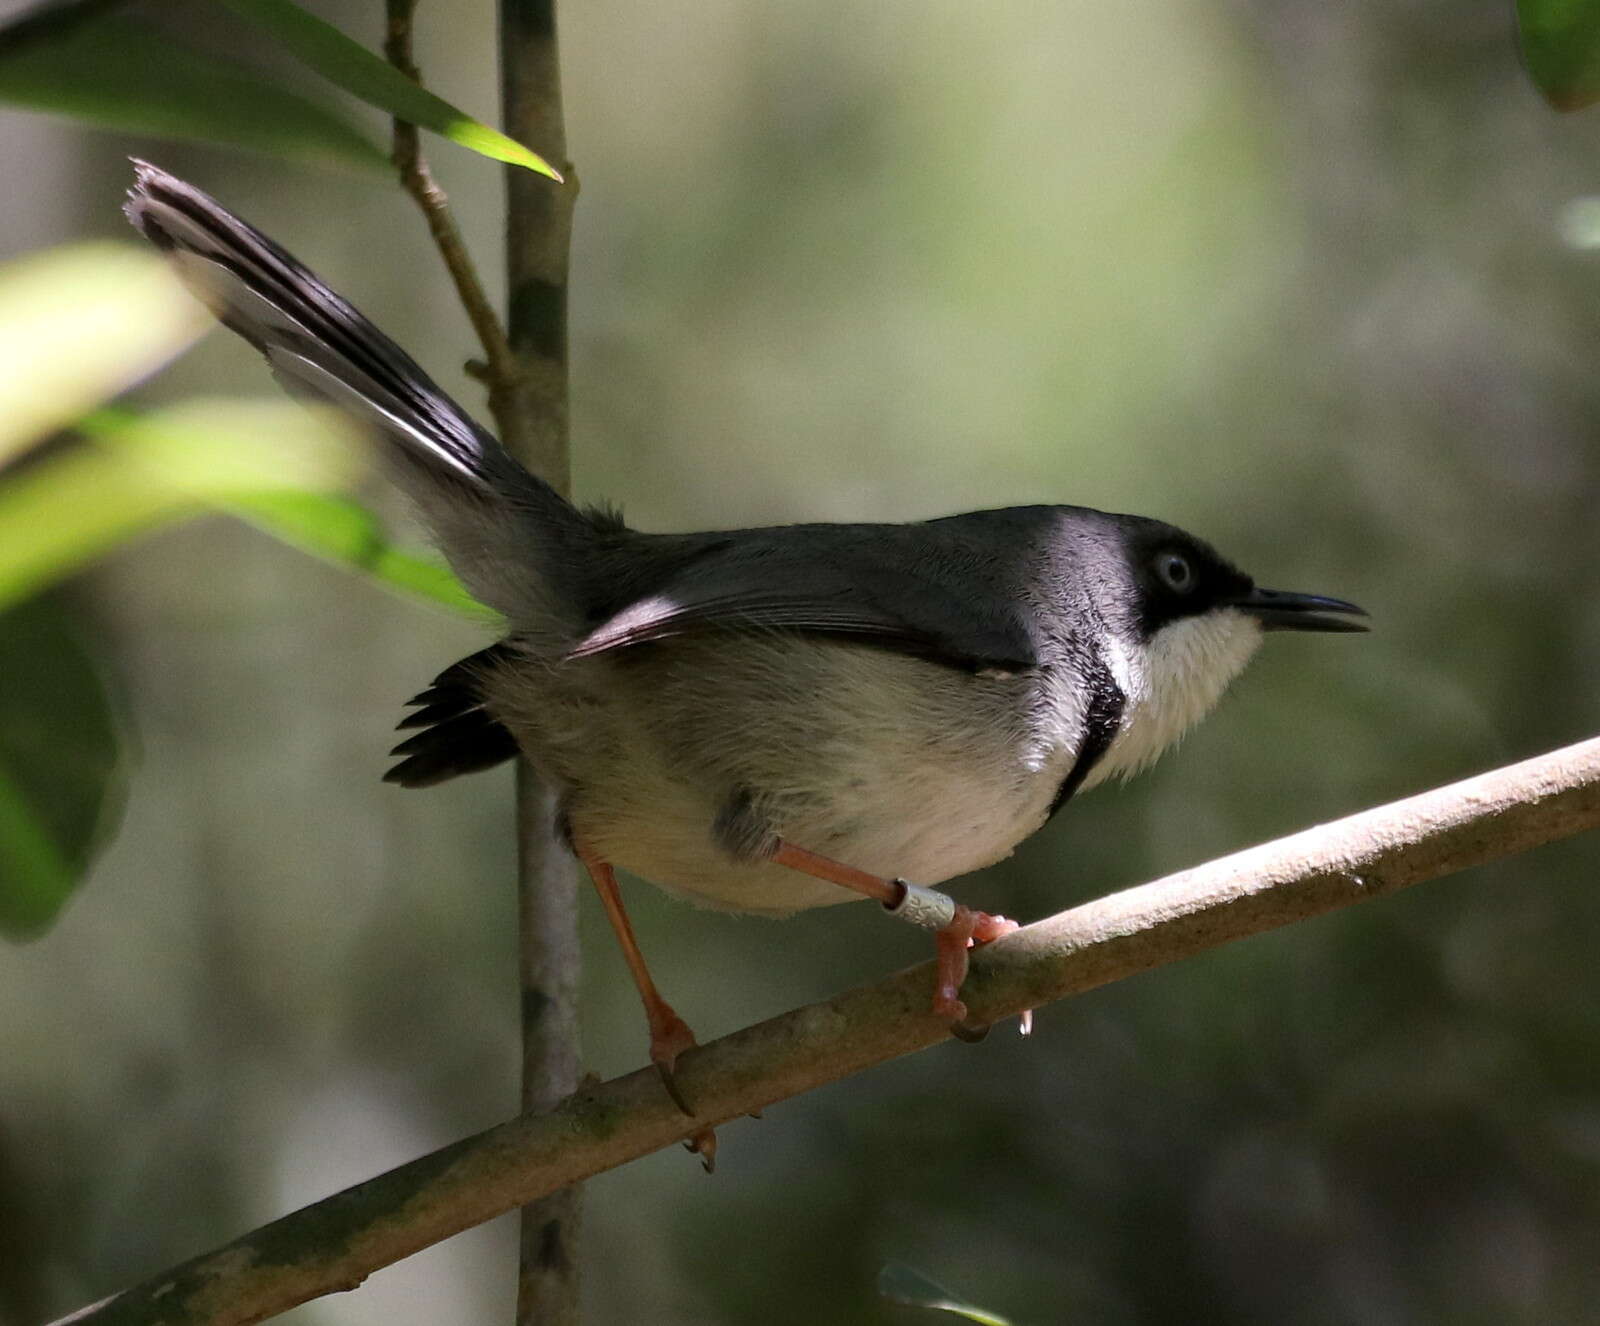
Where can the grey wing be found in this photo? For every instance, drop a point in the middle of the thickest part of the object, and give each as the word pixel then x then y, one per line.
pixel 872 592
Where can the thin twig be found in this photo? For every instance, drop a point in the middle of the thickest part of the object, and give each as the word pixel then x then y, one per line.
pixel 334 1244
pixel 418 181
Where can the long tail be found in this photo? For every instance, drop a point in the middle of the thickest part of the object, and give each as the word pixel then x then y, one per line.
pixel 508 534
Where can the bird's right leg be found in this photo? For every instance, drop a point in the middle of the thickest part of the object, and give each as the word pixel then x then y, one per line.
pixel 957 930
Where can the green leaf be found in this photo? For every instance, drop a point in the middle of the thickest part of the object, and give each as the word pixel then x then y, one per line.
pixel 273 463
pixel 1561 48
pixel 61 768
pixel 901 1284
pixel 62 512
pixel 277 465
pixel 264 461
pixel 360 72
pixel 119 73
pixel 79 324
pixel 344 532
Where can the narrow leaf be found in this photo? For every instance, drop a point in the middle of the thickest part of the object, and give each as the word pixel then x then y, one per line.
pixel 344 532
pixel 273 463
pixel 363 74
pixel 79 324
pixel 63 512
pixel 1561 48
pixel 901 1284
pixel 61 769
pixel 122 74
pixel 276 464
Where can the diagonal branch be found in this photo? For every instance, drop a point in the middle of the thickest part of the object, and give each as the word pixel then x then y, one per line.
pixel 334 1244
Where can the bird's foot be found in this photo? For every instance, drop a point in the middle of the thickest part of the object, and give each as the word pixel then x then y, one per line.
pixel 965 930
pixel 924 907
pixel 704 1145
pixel 669 1037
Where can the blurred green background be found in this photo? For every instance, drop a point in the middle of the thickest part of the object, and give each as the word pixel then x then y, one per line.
pixel 1316 281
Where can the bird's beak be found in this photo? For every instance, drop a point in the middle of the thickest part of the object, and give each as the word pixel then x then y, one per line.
pixel 1284 610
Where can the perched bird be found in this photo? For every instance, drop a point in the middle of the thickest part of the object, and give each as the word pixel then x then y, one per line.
pixel 763 720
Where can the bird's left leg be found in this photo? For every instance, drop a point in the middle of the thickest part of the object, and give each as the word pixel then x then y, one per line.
pixel 669 1034
pixel 956 928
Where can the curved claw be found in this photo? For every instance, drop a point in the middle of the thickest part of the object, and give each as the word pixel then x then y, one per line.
pixel 704 1145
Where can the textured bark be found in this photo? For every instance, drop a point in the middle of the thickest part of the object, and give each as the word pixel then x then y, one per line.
pixel 532 409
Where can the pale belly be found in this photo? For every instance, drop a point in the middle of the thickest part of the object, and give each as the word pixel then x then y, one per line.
pixel 891 765
pixel 927 830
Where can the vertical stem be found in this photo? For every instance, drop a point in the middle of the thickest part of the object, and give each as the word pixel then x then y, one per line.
pixel 533 412
pixel 538 238
pixel 547 886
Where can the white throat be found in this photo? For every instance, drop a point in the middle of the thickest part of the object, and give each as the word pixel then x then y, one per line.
pixel 1172 681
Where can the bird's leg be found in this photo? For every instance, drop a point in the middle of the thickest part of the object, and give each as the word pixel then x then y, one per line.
pixel 887 891
pixel 956 928
pixel 669 1034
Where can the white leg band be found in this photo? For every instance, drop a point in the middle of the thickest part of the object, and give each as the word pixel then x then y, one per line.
pixel 926 907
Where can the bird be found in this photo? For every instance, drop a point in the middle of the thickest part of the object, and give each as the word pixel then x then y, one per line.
pixel 773 719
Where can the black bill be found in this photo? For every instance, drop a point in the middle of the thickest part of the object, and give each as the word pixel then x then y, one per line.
pixel 1284 610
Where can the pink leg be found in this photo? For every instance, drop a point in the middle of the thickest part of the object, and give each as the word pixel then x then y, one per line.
pixel 966 928
pixel 669 1034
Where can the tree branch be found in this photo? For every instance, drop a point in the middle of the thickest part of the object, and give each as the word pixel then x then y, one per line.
pixel 334 1244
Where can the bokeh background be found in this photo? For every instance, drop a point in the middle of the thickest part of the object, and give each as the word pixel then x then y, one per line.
pixel 1312 280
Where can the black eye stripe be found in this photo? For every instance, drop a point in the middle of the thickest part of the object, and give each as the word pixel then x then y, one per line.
pixel 1175 576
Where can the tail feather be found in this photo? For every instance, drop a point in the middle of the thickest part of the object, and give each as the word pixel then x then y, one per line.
pixel 507 533
pixel 458 734
pixel 308 331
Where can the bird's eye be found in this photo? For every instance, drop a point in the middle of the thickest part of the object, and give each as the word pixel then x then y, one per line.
pixel 1175 571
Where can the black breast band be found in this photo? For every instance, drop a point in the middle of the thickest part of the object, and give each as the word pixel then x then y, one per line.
pixel 1101 721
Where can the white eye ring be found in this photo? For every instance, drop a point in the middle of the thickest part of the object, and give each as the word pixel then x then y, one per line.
pixel 1176 572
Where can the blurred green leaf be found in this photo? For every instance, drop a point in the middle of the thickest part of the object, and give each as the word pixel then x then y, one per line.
pixel 902 1284
pixel 1561 47
pixel 344 532
pixel 278 465
pixel 62 513
pixel 61 784
pixel 79 324
pixel 360 72
pixel 216 450
pixel 121 74
pixel 264 461
pixel 273 463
